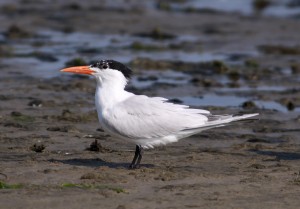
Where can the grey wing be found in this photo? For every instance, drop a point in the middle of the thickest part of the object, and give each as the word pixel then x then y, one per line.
pixel 142 117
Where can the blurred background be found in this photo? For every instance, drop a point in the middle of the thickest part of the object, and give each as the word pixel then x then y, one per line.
pixel 219 53
pixel 227 56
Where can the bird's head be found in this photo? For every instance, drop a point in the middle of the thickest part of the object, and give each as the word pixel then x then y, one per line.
pixel 105 71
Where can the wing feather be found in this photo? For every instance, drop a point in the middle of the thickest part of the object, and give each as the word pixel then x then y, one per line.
pixel 142 117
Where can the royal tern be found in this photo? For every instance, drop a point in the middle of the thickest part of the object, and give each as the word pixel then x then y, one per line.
pixel 145 121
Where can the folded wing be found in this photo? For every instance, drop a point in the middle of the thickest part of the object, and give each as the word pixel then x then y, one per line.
pixel 142 117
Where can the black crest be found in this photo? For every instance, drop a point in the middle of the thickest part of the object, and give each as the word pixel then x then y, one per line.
pixel 112 64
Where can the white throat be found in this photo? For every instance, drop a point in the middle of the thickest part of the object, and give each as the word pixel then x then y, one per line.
pixel 110 91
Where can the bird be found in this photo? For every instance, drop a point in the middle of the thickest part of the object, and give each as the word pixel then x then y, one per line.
pixel 145 121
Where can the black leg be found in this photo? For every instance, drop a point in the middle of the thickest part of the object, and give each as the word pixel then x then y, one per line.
pixel 137 165
pixel 136 154
pixel 137 157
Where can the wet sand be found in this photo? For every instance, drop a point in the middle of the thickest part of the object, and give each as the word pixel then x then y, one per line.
pixel 48 120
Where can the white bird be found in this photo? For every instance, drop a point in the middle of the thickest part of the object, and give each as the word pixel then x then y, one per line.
pixel 145 121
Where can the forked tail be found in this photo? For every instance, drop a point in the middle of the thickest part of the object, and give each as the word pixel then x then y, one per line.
pixel 215 121
pixel 222 120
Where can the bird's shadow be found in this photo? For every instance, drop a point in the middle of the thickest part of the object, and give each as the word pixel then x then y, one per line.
pixel 96 162
pixel 279 155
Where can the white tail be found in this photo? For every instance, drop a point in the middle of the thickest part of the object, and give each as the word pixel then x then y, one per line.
pixel 221 120
pixel 214 122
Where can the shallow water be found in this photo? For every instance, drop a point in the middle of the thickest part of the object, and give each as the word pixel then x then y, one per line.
pixel 65 46
pixel 254 88
pixel 151 78
pixel 278 8
pixel 232 101
pixel 215 95
pixel 169 77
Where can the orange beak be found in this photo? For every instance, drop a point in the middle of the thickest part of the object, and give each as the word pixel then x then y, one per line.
pixel 78 70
